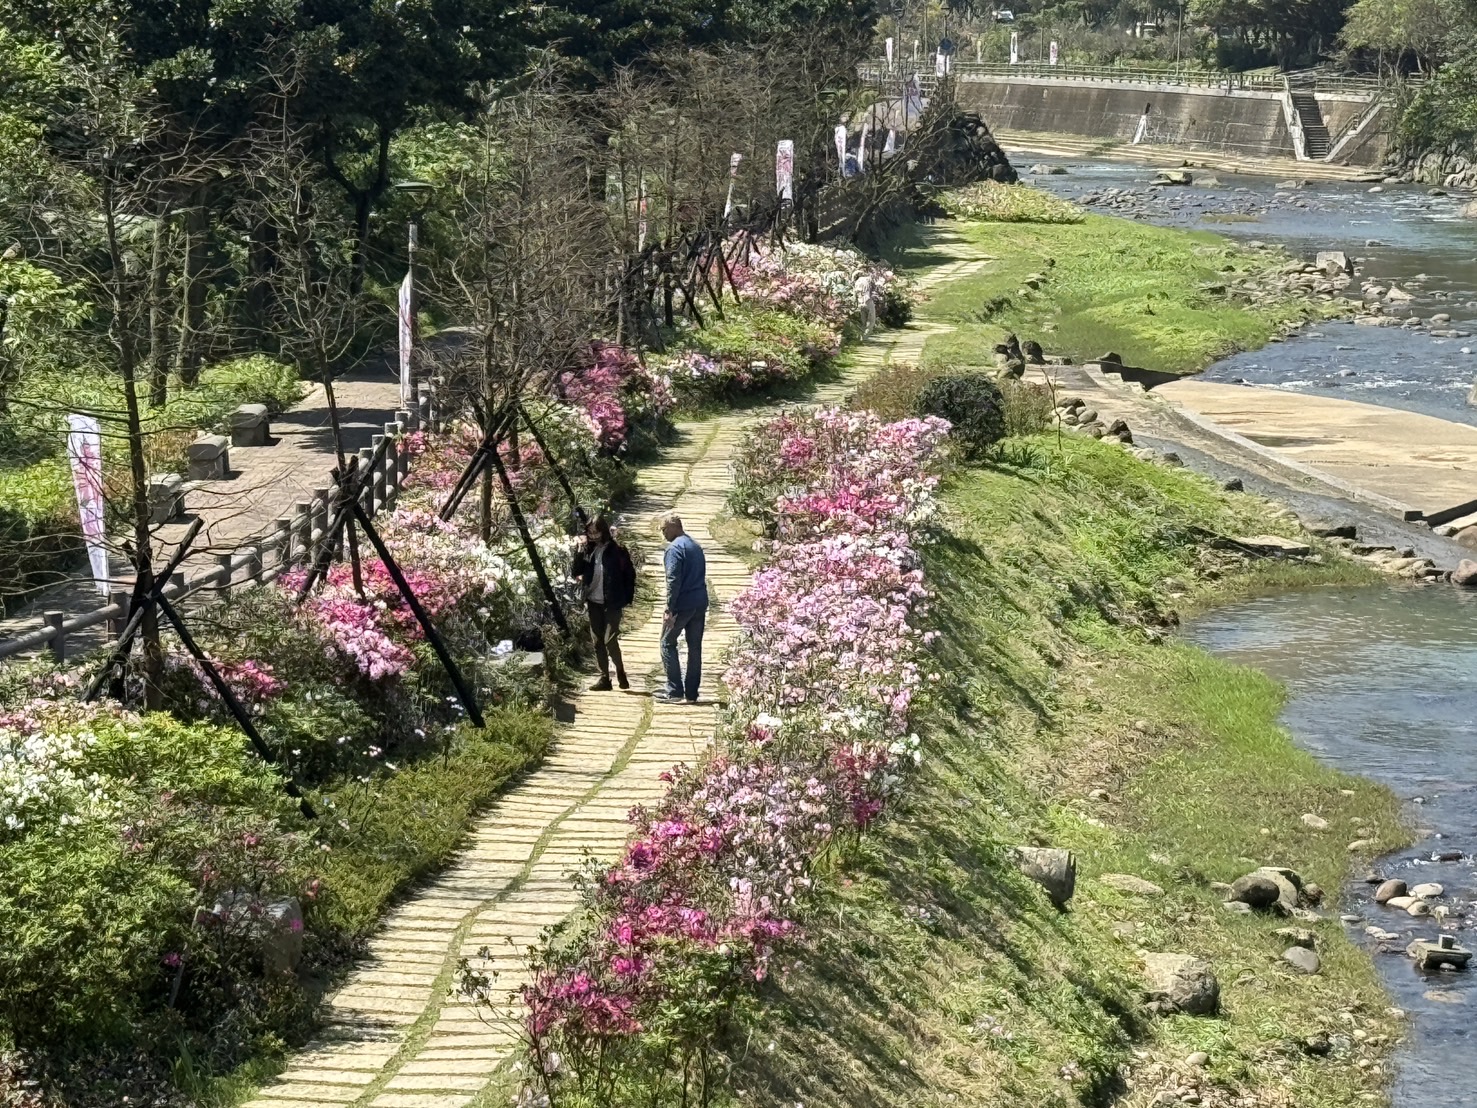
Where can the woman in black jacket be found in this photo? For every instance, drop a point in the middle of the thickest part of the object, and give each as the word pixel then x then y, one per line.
pixel 607 580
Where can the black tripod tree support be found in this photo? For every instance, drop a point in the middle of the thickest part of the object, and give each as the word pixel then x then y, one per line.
pixel 487 454
pixel 350 482
pixel 154 598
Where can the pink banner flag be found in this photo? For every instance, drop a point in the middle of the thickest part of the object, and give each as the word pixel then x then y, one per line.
pixel 85 452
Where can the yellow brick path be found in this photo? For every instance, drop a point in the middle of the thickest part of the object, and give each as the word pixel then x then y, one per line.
pixel 396 1034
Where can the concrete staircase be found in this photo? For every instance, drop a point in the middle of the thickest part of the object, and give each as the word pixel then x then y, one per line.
pixel 1316 141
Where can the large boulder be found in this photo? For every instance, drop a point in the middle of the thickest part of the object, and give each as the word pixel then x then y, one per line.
pixel 1465 574
pixel 1181 983
pixel 1389 890
pixel 1173 177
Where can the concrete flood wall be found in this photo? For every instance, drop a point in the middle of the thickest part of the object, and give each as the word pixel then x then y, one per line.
pixel 1250 123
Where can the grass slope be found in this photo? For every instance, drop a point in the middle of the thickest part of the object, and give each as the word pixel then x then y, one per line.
pixel 940 975
pixel 1147 293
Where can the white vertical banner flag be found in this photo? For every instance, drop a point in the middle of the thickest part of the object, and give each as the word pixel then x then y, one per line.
pixel 890 146
pixel 912 100
pixel 887 48
pixel 85 452
pixel 1015 47
pixel 784 169
pixel 940 64
pixel 1143 127
pixel 841 148
pixel 861 150
pixel 915 51
pixel 1053 53
pixel 733 164
pixel 407 342
pixel 641 216
pixel 979 50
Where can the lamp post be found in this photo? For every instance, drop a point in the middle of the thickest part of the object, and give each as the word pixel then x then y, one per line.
pixel 409 302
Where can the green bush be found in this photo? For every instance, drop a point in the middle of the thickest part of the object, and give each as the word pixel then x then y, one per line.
pixel 971 402
pixel 991 202
pixel 141 823
pixel 896 308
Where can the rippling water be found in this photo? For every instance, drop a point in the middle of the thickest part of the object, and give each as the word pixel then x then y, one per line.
pixel 1383 682
pixel 1400 235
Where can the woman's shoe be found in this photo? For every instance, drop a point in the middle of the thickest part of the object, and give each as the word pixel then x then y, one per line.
pixel 602 685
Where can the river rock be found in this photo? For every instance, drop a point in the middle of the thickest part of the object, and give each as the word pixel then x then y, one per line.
pixel 1331 529
pixel 1173 177
pixel 1033 354
pixel 1119 427
pixel 1258 890
pixel 1181 983
pixel 1055 870
pixel 1467 536
pixel 1430 890
pixel 1469 209
pixel 1297 936
pixel 1302 959
pixel 1465 573
pixel 1400 903
pixel 1333 262
pixel 1128 883
pixel 1419 909
pixel 1234 484
pixel 1317 823
pixel 1274 546
pixel 1388 890
pixel 1398 295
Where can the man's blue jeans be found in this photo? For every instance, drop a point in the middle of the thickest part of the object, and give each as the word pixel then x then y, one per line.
pixel 689 622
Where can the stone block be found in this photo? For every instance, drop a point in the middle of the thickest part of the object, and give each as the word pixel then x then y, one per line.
pixel 166 497
pixel 1443 953
pixel 250 425
pixel 209 457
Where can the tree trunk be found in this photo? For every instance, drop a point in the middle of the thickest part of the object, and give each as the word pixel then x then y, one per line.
pixel 143 551
pixel 192 292
pixel 262 263
pixel 159 313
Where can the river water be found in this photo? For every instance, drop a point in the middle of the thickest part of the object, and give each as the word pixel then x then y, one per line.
pixel 1383 682
pixel 1400 234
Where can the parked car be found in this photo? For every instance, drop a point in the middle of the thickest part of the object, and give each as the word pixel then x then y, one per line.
pixel 1005 16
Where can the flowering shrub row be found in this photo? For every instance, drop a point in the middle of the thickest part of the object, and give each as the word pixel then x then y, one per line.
pixel 828 662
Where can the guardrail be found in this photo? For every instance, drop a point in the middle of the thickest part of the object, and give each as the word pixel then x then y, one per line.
pixel 1312 80
pixel 294 539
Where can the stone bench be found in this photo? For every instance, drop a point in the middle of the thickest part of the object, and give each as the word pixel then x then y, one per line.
pixel 209 457
pixel 250 425
pixel 166 497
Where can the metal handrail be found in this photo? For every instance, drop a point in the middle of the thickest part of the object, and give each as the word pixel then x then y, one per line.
pixel 1313 80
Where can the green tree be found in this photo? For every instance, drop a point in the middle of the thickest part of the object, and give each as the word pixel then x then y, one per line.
pixel 1396 29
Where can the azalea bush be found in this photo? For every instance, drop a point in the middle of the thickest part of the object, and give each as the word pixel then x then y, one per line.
pixel 828 663
pixel 624 401
pixel 753 348
pixel 826 283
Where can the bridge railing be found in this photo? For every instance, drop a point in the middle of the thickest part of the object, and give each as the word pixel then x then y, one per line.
pixel 1261 81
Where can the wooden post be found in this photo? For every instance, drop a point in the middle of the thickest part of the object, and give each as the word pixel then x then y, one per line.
pixel 392 462
pixel 377 476
pixel 366 493
pixel 318 527
pixel 282 542
pixel 255 561
pixel 58 643
pixel 402 455
pixel 121 599
pixel 302 532
pixel 224 564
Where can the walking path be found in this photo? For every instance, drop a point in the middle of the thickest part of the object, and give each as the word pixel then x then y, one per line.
pixel 264 482
pixel 396 1034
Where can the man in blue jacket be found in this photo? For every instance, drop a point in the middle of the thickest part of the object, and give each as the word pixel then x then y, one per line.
pixel 687 611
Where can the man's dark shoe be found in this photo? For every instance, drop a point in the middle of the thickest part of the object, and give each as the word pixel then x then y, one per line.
pixel 623 681
pixel 602 685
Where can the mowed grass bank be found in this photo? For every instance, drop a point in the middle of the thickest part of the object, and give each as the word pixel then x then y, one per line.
pixel 1161 298
pixel 940 975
